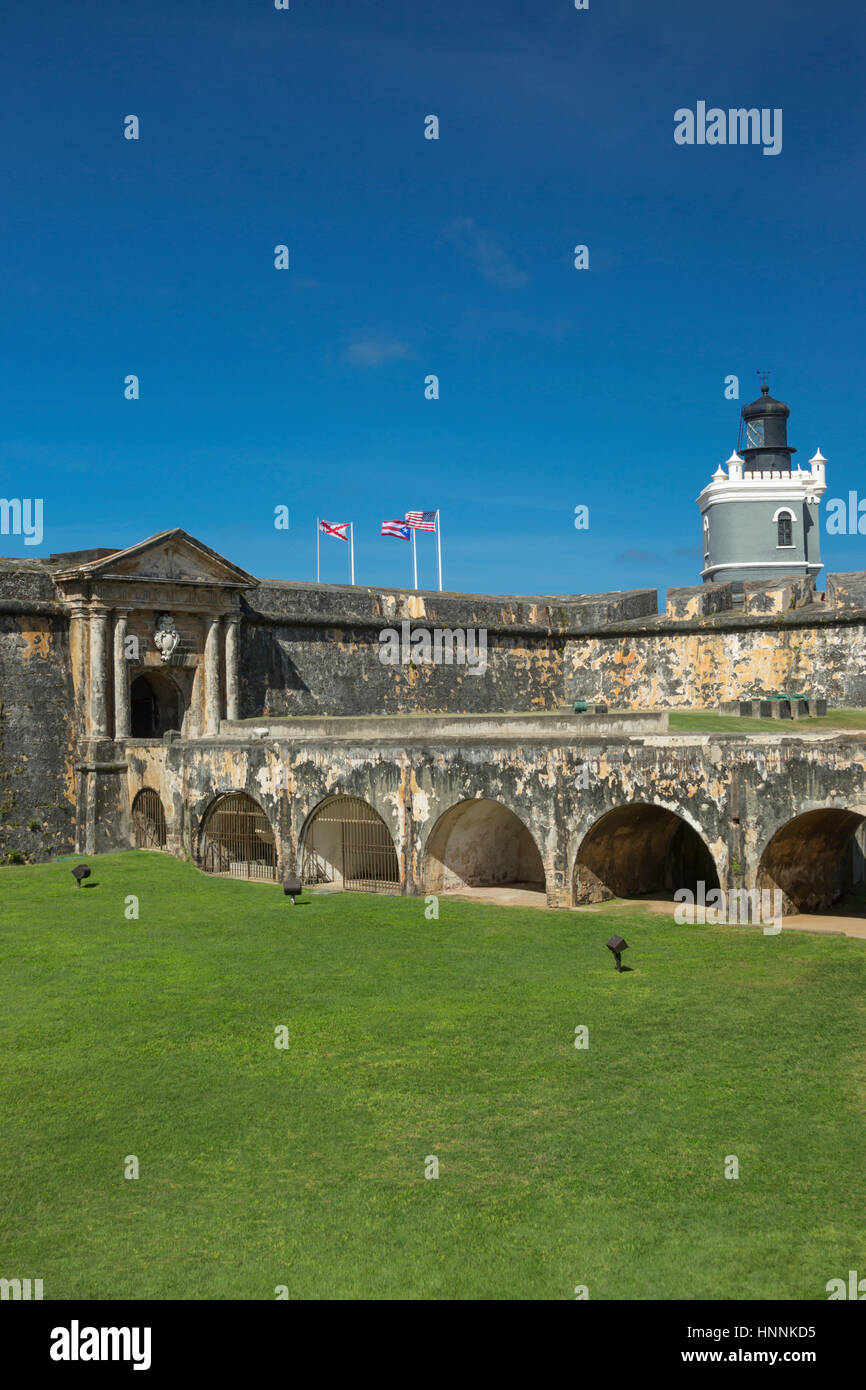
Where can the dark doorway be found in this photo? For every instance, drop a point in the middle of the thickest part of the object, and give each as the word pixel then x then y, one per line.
pixel 148 819
pixel 155 706
pixel 814 859
pixel 641 850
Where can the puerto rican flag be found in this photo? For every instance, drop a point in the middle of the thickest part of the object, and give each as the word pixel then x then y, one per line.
pixel 400 529
pixel 338 529
pixel 421 521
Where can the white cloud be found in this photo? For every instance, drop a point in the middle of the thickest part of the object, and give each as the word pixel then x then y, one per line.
pixel 491 259
pixel 376 351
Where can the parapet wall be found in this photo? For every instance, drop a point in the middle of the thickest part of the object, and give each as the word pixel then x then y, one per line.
pixel 308 650
pixel 699 668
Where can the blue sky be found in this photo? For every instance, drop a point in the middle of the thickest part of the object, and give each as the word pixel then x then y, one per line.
pixel 408 257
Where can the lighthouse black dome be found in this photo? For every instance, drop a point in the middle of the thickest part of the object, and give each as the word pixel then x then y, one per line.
pixel 763 440
pixel 765 405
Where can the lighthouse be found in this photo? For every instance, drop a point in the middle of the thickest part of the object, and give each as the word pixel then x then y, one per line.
pixel 760 512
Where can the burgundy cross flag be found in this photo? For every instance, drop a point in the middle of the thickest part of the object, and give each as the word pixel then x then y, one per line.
pixel 344 531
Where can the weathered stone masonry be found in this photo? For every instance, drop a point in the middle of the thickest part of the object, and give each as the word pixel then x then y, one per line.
pixel 214 646
pixel 549 651
pixel 736 792
pixel 37 730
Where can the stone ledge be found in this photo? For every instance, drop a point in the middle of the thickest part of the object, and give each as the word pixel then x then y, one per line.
pixel 552 726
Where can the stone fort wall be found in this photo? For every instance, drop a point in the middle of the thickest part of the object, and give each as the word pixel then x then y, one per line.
pixel 736 792
pixel 37 732
pixel 310 650
pixel 307 649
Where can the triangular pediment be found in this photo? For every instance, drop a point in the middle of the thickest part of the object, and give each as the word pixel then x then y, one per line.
pixel 171 557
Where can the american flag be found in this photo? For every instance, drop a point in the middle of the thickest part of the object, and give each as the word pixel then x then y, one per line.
pixel 421 521
pixel 339 529
pixel 395 528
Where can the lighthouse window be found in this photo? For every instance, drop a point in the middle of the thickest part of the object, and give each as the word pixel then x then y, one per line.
pixel 785 532
pixel 755 434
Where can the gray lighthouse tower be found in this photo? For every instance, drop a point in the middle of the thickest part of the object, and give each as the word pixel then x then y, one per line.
pixel 760 518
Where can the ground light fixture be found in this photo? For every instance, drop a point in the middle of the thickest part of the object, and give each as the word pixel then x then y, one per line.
pixel 617 945
pixel 292 887
pixel 80 872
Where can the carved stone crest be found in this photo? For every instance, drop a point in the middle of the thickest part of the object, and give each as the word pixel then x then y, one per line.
pixel 166 635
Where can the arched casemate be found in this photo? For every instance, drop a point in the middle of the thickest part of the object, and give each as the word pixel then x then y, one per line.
pixel 148 820
pixel 640 849
pixel 481 843
pixel 815 859
pixel 346 843
pixel 237 839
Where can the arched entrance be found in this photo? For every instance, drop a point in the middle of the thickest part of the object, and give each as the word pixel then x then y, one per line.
pixel 815 859
pixel 237 840
pixel 148 819
pixel 156 705
pixel 482 844
pixel 346 843
pixel 641 850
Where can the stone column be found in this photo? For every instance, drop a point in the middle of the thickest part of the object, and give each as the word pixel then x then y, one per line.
pixel 79 647
pixel 121 681
pixel 99 673
pixel 232 680
pixel 212 676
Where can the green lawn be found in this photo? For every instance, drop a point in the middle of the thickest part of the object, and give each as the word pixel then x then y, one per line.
pixel 411 1037
pixel 707 722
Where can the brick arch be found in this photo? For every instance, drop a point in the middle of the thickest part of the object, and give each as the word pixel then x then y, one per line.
pixel 237 838
pixel 810 857
pixel 148 819
pixel 345 840
pixel 641 848
pixel 480 842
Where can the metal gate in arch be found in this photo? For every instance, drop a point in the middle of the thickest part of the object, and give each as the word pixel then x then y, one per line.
pixel 238 840
pixel 347 841
pixel 148 819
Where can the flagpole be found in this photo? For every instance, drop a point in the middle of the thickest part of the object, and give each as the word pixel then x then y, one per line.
pixel 317 552
pixel 439 546
pixel 352 550
pixel 414 559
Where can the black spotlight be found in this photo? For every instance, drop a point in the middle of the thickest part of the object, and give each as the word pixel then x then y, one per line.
pixel 81 871
pixel 617 945
pixel 292 887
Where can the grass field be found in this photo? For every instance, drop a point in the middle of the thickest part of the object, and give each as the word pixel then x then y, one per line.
pixel 411 1037
pixel 700 721
pixel 689 721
